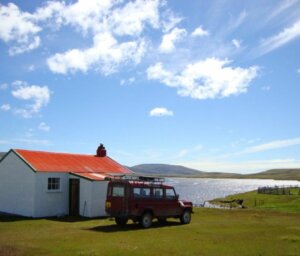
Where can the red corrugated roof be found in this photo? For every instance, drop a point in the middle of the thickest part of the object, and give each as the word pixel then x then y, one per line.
pixel 93 176
pixel 76 163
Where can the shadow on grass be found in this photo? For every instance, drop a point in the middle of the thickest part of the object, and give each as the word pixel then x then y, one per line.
pixel 12 218
pixel 69 219
pixel 130 227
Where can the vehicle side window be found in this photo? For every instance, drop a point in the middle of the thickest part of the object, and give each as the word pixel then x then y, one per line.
pixel 158 192
pixel 141 192
pixel 118 191
pixel 137 192
pixel 170 193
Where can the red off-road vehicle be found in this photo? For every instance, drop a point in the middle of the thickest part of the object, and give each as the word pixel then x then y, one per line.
pixel 142 199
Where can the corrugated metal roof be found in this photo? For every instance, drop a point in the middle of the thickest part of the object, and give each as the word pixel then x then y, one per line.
pixel 93 176
pixel 71 163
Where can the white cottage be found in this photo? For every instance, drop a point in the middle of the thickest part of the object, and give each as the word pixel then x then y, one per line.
pixel 42 184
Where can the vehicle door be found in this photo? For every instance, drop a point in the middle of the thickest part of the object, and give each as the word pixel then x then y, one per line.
pixel 158 201
pixel 172 207
pixel 141 200
pixel 118 200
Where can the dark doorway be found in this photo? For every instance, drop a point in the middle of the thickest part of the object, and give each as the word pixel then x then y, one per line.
pixel 74 197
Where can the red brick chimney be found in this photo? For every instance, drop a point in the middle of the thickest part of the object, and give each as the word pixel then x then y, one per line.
pixel 101 151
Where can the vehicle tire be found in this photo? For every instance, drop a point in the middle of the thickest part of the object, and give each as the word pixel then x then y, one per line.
pixel 146 220
pixel 185 218
pixel 121 221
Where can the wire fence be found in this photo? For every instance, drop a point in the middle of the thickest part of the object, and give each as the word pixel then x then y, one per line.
pixel 279 190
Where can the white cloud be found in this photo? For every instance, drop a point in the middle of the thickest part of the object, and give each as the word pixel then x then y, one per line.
pixel 35 42
pixel 200 32
pixel 161 112
pixel 168 41
pixel 236 43
pixel 17 26
pixel 18 83
pixel 44 127
pixel 207 79
pixel 239 21
pixel 84 15
pixel 170 20
pixel 131 80
pixel 182 153
pixel 272 145
pixel 281 7
pixel 105 55
pixel 282 38
pixel 188 152
pixel 106 20
pixel 132 18
pixel 40 95
pixel 49 10
pixel 5 107
pixel 113 17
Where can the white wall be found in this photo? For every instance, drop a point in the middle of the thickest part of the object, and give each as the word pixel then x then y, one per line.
pixel 16 186
pixel 25 192
pixel 85 197
pixel 51 203
pixel 92 197
pixel 98 198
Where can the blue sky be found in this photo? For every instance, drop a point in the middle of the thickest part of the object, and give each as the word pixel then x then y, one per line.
pixel 212 85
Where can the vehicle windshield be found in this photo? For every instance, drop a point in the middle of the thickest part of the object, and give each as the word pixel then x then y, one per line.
pixel 170 193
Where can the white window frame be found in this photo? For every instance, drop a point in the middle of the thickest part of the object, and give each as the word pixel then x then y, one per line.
pixel 53 184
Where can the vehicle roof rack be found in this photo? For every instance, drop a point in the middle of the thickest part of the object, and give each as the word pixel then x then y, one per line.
pixel 131 177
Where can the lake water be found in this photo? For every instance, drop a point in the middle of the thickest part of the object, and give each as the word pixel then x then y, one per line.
pixel 200 190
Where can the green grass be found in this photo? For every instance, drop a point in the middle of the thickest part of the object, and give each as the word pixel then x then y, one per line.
pixel 211 232
pixel 279 203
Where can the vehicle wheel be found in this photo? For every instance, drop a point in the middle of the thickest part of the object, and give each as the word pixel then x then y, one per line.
pixel 186 217
pixel 146 220
pixel 121 221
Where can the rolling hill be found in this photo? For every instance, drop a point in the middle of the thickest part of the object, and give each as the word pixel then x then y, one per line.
pixel 182 171
pixel 164 169
pixel 277 174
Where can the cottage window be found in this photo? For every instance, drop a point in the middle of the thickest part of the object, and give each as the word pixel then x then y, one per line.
pixel 53 183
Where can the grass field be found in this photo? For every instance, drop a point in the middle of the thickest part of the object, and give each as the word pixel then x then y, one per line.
pixel 279 203
pixel 211 232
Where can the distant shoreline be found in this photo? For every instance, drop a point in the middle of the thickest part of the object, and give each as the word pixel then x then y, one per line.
pixel 223 177
pixel 165 170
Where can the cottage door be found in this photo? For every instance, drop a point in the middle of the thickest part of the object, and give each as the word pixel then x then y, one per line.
pixel 74 197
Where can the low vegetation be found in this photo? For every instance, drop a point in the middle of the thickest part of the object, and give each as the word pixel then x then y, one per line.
pixel 268 228
pixel 278 200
